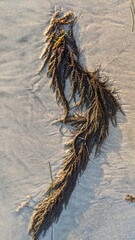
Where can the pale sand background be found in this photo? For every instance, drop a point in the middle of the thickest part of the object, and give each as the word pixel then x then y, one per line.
pixel 27 107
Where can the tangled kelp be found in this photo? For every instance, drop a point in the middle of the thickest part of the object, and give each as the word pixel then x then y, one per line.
pixel 98 107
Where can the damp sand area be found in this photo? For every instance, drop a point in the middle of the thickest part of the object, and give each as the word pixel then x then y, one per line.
pixel 97 208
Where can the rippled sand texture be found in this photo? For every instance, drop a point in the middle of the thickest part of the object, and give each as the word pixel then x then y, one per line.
pixel 97 209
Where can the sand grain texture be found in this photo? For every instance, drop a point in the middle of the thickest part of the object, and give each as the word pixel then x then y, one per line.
pixel 96 209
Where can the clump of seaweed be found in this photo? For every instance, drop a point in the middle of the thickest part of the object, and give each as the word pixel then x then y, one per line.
pixel 60 42
pixel 62 56
pixel 91 126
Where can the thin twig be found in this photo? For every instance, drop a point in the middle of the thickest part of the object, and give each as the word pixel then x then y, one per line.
pixel 133 5
pixel 51 172
pixel 132 13
pixel 51 176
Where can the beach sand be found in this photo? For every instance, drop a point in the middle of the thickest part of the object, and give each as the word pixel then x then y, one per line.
pixel 97 209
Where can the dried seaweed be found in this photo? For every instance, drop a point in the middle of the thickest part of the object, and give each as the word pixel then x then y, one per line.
pixel 98 106
pixel 62 56
pixel 91 131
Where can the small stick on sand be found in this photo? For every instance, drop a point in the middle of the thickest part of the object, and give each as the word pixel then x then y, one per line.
pixel 132 8
pixel 133 5
pixel 51 175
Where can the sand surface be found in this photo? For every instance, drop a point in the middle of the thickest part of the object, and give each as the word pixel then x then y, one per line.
pixel 97 209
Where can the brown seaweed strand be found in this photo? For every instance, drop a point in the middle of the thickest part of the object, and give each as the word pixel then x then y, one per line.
pixel 49 210
pixel 63 46
pixel 91 128
pixel 56 55
pixel 92 132
pixel 58 88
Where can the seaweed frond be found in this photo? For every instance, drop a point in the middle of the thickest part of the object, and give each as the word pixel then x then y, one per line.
pixel 97 104
pixel 92 130
pixel 57 55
